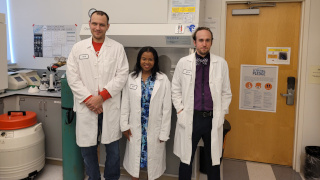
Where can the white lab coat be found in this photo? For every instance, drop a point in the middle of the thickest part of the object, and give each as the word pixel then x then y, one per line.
pixel 183 83
pixel 159 124
pixel 86 75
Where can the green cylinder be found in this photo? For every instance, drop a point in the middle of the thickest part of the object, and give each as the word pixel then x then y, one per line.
pixel 73 168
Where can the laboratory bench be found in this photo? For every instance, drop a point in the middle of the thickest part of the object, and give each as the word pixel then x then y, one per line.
pixel 25 92
pixel 47 106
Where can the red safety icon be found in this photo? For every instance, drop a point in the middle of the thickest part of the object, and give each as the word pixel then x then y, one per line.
pixel 248 85
pixel 258 86
pixel 268 86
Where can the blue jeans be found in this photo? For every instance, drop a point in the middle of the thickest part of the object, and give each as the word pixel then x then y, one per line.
pixel 112 164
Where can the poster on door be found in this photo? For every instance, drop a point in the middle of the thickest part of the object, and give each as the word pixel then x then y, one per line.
pixel 258 88
pixel 278 55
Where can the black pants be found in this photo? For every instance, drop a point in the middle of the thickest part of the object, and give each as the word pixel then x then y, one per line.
pixel 201 129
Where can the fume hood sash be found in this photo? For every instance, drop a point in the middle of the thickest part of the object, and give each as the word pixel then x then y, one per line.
pixel 139 35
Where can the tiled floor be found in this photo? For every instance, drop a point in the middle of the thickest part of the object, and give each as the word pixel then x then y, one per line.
pixel 232 170
pixel 242 170
pixel 54 172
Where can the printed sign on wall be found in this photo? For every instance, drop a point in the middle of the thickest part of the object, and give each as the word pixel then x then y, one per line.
pixel 53 40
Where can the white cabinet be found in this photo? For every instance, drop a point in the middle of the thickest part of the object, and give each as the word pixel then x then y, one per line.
pixel 48 112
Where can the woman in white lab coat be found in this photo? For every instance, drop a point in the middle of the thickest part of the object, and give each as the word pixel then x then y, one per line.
pixel 146 116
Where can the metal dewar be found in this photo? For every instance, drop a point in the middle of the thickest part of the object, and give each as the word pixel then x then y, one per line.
pixel 22 145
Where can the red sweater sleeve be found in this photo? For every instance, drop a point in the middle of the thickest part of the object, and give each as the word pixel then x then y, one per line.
pixel 87 98
pixel 105 94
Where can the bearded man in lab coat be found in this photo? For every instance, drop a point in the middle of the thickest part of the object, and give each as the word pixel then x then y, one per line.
pixel 97 70
pixel 201 95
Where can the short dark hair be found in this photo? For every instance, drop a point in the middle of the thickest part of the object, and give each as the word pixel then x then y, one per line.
pixel 101 13
pixel 154 70
pixel 194 35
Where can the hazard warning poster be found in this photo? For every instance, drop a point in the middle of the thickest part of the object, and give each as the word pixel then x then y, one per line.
pixel 258 88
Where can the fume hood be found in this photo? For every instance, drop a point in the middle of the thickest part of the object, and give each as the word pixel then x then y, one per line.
pixel 165 23
pixel 156 35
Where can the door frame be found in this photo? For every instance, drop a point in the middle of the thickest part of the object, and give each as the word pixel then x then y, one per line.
pixel 302 68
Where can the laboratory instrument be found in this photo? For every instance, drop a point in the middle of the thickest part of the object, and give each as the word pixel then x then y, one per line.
pixel 53 83
pixel 31 76
pixel 44 82
pixel 16 81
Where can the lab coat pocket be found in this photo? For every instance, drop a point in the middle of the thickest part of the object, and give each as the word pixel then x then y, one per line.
pixel 216 84
pixel 220 120
pixel 131 139
pixel 113 119
pixel 109 65
pixel 160 150
pixel 181 120
pixel 112 104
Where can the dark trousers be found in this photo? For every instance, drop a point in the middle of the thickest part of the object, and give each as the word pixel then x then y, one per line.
pixel 201 129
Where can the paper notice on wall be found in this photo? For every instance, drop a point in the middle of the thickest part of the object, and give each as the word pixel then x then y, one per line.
pixel 53 40
pixel 214 25
pixel 183 10
pixel 314 75
pixel 258 88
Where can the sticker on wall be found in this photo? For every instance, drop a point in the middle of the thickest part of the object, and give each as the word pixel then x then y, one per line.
pixel 278 55
pixel 179 29
pixel 191 28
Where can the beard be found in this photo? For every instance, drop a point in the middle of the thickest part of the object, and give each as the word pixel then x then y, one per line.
pixel 202 52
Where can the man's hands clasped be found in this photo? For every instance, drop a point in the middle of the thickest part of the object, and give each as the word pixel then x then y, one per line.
pixel 95 104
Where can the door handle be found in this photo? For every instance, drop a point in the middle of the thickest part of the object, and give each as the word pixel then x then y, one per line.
pixel 45 105
pixel 290 91
pixel 40 105
pixel 286 95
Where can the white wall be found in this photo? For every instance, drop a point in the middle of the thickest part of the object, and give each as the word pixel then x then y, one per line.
pixel 311 114
pixel 25 13
pixel 3 6
pixel 213 10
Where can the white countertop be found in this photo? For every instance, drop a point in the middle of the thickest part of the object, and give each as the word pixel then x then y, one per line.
pixel 25 92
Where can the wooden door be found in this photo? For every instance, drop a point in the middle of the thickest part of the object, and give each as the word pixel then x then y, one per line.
pixel 255 135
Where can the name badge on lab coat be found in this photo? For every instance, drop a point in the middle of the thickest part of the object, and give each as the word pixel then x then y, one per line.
pixel 84 56
pixel 187 72
pixel 132 86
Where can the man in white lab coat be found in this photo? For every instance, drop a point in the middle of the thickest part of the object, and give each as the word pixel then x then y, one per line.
pixel 97 70
pixel 201 95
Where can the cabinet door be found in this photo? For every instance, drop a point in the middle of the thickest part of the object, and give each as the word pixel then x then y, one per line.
pixel 53 127
pixel 33 104
pixel 48 112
